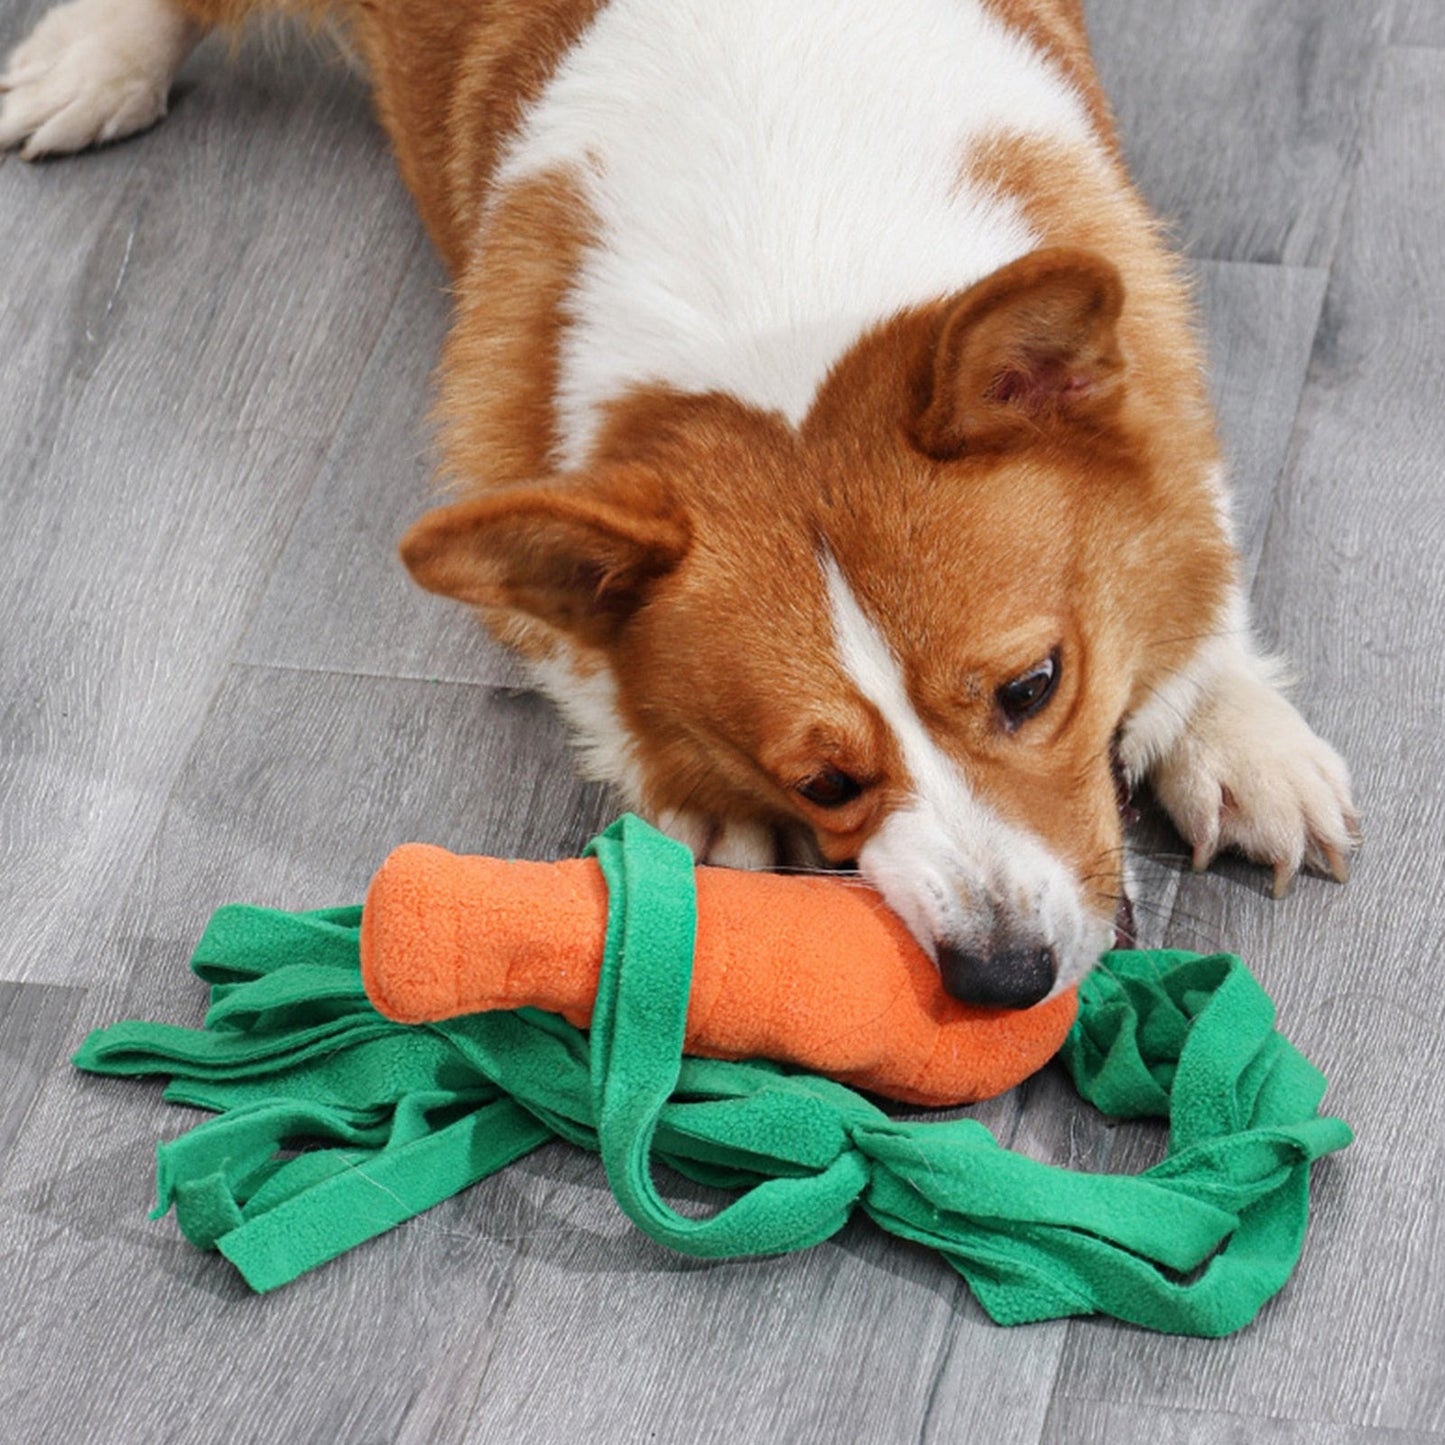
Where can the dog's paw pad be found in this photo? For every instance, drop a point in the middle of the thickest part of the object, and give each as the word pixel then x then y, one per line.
pixel 91 71
pixel 1250 775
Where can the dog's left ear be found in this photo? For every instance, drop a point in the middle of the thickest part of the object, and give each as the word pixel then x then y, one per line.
pixel 580 554
pixel 1030 345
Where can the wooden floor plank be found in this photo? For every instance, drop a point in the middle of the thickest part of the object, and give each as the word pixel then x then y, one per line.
pixel 1096 1423
pixel 303 782
pixel 1352 586
pixel 185 322
pixel 607 1338
pixel 1240 121
pixel 1419 22
pixel 339 597
pixel 35 1026
pixel 1261 322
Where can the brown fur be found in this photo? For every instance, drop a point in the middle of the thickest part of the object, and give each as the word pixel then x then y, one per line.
pixel 499 371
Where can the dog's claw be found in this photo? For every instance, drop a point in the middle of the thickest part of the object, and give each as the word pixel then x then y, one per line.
pixel 1338 862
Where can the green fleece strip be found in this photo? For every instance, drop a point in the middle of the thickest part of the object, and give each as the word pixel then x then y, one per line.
pixel 335 1125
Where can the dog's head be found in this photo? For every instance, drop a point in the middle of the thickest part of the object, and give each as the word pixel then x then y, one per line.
pixel 912 625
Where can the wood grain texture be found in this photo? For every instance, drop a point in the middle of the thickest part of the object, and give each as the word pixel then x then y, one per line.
pixel 302 783
pixel 608 1338
pixel 35 1022
pixel 1096 1423
pixel 1240 121
pixel 339 596
pixel 1419 22
pixel 1352 586
pixel 1261 322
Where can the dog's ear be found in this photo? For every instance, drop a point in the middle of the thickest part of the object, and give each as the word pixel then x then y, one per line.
pixel 1031 344
pixel 579 554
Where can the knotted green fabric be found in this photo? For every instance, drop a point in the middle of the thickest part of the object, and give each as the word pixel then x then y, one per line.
pixel 292 1054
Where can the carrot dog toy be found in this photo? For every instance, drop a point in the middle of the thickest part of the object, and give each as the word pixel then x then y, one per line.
pixel 811 971
pixel 399 1116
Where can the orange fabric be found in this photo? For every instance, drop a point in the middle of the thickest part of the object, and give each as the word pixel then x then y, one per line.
pixel 812 971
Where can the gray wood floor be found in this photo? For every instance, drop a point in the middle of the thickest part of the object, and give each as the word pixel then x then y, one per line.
pixel 216 684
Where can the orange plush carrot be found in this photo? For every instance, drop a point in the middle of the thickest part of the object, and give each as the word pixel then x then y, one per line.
pixel 811 971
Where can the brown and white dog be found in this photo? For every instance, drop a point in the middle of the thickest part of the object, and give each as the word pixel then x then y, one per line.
pixel 828 431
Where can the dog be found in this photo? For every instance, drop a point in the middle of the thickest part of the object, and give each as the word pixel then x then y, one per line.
pixel 827 430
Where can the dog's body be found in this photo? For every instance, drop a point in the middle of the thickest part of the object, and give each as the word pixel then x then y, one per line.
pixel 829 433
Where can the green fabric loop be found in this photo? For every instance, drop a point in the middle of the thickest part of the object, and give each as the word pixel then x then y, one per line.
pixel 637 1031
pixel 334 1124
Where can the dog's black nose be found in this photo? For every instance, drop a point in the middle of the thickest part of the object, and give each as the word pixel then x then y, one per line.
pixel 1012 978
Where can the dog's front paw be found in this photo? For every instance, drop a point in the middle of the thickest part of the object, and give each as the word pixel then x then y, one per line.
pixel 1249 774
pixel 92 71
pixel 725 843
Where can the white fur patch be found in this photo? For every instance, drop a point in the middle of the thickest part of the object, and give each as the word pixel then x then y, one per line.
pixel 947 864
pixel 772 180
pixel 587 698
pixel 1216 483
pixel 1226 647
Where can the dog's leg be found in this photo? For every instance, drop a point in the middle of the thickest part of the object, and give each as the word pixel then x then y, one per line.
pixel 93 71
pixel 1235 766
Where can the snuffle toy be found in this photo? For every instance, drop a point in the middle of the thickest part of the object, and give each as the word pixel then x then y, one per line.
pixel 812 971
pixel 639 1007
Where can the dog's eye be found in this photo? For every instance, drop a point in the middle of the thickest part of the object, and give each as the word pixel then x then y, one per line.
pixel 1026 694
pixel 830 788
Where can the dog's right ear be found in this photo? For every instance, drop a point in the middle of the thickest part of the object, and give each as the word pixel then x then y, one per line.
pixel 579 554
